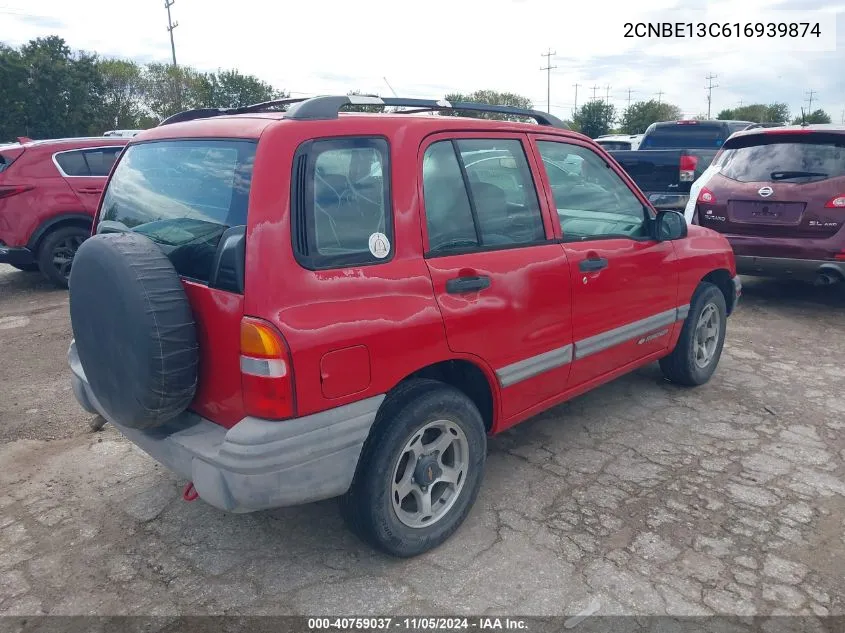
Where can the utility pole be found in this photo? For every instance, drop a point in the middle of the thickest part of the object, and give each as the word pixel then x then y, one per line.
pixel 739 103
pixel 710 85
pixel 575 107
pixel 548 68
pixel 170 26
pixel 607 95
pixel 594 89
pixel 629 96
pixel 843 117
pixel 659 94
pixel 811 94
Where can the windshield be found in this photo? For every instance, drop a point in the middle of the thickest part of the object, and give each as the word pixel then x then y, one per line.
pixel 183 195
pixel 685 136
pixel 796 158
pixel 615 145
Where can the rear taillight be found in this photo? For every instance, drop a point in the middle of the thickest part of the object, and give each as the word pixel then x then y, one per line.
pixel 836 203
pixel 688 165
pixel 266 377
pixel 705 196
pixel 840 257
pixel 7 191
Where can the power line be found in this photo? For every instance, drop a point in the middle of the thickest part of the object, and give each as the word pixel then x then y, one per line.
pixel 170 26
pixel 576 86
pixel 710 85
pixel 811 94
pixel 548 68
pixel 389 86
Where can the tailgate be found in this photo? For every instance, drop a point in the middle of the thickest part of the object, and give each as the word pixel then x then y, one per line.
pixel 653 170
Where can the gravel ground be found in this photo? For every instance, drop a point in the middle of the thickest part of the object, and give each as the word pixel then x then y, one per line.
pixel 638 498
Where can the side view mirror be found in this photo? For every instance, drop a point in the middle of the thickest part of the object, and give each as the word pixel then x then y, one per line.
pixel 670 225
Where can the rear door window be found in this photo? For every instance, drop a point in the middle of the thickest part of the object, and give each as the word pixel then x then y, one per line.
pixel 101 160
pixel 341 200
pixel 183 195
pixel 89 162
pixel 783 157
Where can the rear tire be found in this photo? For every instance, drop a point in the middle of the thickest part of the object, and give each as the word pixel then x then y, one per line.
pixel 56 253
pixel 430 440
pixel 699 347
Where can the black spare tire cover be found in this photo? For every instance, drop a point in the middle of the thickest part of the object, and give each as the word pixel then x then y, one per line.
pixel 134 329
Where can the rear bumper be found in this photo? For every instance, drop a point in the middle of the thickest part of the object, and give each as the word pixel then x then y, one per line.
pixel 257 464
pixel 674 201
pixel 788 268
pixel 17 256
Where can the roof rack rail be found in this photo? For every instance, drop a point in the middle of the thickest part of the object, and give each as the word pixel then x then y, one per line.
pixel 206 113
pixel 328 107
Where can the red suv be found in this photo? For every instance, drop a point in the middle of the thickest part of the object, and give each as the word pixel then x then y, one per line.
pixel 291 306
pixel 778 195
pixel 49 191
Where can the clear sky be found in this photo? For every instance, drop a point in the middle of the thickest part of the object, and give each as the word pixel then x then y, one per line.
pixel 427 49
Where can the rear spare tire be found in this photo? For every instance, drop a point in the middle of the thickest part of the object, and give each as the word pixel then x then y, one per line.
pixel 134 329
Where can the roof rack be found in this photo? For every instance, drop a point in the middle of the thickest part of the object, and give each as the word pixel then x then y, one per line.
pixel 329 107
pixel 207 113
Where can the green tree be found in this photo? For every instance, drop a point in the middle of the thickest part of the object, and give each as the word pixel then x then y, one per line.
pixel 231 89
pixel 122 98
pixel 490 97
pixel 758 113
pixel 594 118
pixel 13 91
pixel 817 116
pixel 170 89
pixel 638 116
pixel 62 89
pixel 363 108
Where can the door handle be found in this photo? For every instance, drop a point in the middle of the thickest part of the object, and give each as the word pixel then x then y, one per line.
pixel 90 190
pixel 460 285
pixel 592 265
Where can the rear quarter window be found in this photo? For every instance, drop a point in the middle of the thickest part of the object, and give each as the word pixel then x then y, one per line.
pixel 341 203
pixel 183 195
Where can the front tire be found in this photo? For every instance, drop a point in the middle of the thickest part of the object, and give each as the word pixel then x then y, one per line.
pixel 56 253
pixel 699 347
pixel 420 469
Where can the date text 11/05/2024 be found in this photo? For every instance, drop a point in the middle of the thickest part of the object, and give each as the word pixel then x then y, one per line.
pixel 416 624
pixel 647 30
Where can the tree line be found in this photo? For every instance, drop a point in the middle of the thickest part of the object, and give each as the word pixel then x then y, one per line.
pixel 49 91
pixel 596 118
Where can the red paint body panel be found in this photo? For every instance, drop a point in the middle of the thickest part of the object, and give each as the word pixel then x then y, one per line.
pixel 218 321
pixel 640 281
pixel 51 197
pixel 358 331
pixel 345 372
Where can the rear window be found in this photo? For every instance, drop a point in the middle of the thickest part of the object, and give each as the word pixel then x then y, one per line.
pixel 685 136
pixel 615 145
pixel 779 157
pixel 183 195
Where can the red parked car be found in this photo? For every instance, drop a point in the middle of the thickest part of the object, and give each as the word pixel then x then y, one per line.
pixel 291 306
pixel 49 191
pixel 778 195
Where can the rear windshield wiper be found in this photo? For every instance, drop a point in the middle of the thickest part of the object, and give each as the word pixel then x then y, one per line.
pixel 786 175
